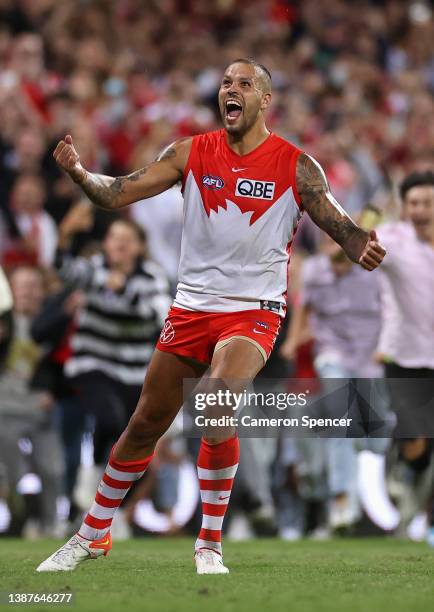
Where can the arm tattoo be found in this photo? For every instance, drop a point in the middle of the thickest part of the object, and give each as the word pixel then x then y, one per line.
pixel 325 211
pixel 105 191
pixel 110 193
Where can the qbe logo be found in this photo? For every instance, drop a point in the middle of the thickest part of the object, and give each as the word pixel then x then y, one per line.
pixel 212 182
pixel 248 188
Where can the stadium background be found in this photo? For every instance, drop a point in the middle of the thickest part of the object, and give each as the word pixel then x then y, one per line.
pixel 352 85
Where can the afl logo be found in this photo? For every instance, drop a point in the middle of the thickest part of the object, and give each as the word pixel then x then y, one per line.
pixel 167 334
pixel 212 182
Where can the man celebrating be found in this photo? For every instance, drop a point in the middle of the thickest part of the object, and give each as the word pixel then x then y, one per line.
pixel 244 192
pixel 407 336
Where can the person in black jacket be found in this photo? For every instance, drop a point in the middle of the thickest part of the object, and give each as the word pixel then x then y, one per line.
pixel 5 316
pixel 5 338
pixel 52 329
pixel 26 406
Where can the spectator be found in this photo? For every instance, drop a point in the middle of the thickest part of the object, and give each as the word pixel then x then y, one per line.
pixel 5 317
pixel 341 302
pixel 126 301
pixel 407 339
pixel 37 239
pixel 52 329
pixel 5 338
pixel 26 412
pixel 161 217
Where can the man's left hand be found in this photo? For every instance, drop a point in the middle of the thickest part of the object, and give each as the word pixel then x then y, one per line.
pixel 373 253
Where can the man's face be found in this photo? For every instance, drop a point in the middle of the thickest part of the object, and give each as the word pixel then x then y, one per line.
pixel 28 55
pixel 30 145
pixel 28 194
pixel 27 290
pixel 419 209
pixel 242 98
pixel 122 245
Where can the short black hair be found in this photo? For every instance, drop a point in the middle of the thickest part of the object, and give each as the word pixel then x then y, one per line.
pixel 251 62
pixel 135 227
pixel 416 179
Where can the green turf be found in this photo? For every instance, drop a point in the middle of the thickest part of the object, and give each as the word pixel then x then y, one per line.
pixel 378 575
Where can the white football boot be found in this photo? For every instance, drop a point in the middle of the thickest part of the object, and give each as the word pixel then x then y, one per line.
pixel 76 550
pixel 209 562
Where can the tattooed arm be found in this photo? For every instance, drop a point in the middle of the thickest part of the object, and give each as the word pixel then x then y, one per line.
pixel 112 193
pixel 360 246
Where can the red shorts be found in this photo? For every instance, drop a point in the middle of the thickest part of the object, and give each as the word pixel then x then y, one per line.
pixel 198 334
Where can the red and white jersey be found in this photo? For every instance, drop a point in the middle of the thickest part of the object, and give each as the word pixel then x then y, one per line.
pixel 240 215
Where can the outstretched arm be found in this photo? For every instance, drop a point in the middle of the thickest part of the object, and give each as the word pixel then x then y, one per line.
pixel 312 185
pixel 112 193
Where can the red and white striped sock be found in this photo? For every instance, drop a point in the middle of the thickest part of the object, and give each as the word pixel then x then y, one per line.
pixel 216 468
pixel 118 478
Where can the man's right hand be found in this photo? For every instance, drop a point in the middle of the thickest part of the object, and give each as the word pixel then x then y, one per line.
pixel 69 160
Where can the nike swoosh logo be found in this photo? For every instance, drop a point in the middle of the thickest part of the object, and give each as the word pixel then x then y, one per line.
pixel 255 331
pixel 238 169
pixel 222 498
pixel 100 543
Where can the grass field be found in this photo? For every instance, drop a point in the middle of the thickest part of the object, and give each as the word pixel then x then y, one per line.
pixel 375 575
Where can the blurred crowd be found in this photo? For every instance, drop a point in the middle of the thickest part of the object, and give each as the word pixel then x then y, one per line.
pixel 353 86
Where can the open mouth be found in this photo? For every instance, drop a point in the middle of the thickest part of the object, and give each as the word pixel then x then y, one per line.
pixel 233 110
pixel 421 223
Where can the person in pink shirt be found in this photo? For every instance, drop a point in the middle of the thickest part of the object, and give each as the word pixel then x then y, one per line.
pixel 406 342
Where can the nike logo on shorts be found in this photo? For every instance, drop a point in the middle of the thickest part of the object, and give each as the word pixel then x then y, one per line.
pixel 256 331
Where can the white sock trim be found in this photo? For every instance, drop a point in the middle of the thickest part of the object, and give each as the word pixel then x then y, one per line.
pixel 125 476
pixel 228 472
pixel 212 522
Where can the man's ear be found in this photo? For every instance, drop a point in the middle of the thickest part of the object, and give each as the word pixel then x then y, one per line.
pixel 266 101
